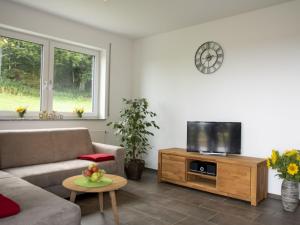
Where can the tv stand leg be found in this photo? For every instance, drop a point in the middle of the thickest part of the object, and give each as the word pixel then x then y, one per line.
pixel 254 203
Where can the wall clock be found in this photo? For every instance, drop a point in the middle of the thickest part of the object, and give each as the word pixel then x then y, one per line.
pixel 209 57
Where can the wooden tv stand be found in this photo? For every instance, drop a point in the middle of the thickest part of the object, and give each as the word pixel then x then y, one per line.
pixel 240 177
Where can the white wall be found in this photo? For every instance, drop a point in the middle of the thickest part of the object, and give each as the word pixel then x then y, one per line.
pixel 121 59
pixel 258 83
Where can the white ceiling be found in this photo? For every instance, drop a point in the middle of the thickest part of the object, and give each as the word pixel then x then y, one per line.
pixel 140 18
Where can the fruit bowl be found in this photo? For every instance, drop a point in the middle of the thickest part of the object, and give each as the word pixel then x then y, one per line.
pixel 93 173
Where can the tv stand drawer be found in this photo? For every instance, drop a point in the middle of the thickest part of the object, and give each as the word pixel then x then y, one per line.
pixel 173 167
pixel 234 179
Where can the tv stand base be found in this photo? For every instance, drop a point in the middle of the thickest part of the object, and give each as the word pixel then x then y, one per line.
pixel 240 177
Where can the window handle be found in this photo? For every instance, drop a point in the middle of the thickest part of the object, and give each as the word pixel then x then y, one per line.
pixel 45 84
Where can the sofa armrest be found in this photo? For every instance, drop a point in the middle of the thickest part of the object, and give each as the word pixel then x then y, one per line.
pixel 117 151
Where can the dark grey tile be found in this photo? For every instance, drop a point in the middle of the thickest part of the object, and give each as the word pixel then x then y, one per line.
pixel 97 219
pixel 190 209
pixel 226 219
pixel 269 206
pixel 147 221
pixel 234 210
pixel 159 212
pixel 272 219
pixel 289 216
pixel 127 215
pixel 193 221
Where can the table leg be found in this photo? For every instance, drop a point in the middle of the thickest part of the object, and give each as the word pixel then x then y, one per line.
pixel 101 201
pixel 112 195
pixel 73 196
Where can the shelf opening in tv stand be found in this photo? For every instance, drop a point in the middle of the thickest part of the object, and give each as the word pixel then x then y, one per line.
pixel 201 173
pixel 202 168
pixel 201 181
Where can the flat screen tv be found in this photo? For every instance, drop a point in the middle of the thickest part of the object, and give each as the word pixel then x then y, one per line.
pixel 214 137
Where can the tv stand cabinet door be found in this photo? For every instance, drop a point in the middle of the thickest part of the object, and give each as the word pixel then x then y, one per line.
pixel 234 180
pixel 173 167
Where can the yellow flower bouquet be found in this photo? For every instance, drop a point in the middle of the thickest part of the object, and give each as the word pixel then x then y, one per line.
pixel 287 164
pixel 79 111
pixel 21 110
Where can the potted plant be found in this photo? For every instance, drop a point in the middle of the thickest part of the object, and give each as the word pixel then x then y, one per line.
pixel 21 110
pixel 134 130
pixel 79 111
pixel 287 166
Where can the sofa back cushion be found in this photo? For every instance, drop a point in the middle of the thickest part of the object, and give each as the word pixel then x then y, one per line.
pixel 26 147
pixel 71 143
pixel 31 147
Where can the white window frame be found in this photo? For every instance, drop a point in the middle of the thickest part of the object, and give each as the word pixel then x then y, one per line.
pixel 100 71
pixel 95 78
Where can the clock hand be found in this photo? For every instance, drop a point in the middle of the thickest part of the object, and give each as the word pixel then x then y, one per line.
pixel 205 61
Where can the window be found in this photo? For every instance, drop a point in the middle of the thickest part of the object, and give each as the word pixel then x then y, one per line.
pixel 20 74
pixel 72 80
pixel 46 75
pixel 74 70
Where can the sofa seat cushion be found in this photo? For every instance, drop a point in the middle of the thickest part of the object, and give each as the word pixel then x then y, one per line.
pixel 4 174
pixel 37 205
pixel 8 207
pixel 51 174
pixel 97 157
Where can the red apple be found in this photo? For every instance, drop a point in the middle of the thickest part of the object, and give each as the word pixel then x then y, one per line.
pixel 87 173
pixel 95 169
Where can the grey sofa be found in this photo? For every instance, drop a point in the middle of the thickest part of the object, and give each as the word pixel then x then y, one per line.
pixel 39 207
pixel 37 161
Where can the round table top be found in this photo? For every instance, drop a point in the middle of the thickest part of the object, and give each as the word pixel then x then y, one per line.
pixel 117 183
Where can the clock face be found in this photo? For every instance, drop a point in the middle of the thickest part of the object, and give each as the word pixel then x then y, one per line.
pixel 209 57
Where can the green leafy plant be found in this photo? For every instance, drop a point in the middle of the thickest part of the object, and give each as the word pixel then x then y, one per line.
pixel 134 127
pixel 286 164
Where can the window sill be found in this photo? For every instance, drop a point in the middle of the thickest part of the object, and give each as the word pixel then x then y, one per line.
pixel 65 119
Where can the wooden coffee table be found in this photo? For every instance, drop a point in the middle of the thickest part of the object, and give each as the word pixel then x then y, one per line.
pixel 117 183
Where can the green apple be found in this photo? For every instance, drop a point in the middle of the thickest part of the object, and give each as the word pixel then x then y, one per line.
pixel 95 177
pixel 102 172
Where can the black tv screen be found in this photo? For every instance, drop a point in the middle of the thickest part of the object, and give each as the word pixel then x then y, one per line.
pixel 214 137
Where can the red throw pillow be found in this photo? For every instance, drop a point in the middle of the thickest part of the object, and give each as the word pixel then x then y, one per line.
pixel 8 207
pixel 98 157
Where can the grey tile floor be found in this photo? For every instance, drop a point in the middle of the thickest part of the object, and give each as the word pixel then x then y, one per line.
pixel 149 203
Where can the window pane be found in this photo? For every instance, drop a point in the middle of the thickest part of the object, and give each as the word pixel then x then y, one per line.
pixel 72 81
pixel 20 71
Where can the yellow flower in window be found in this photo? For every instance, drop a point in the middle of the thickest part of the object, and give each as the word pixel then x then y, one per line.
pixel 274 156
pixel 79 111
pixel 21 109
pixel 292 169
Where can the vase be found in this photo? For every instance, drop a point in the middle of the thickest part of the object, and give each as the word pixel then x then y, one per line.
pixel 21 115
pixel 290 195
